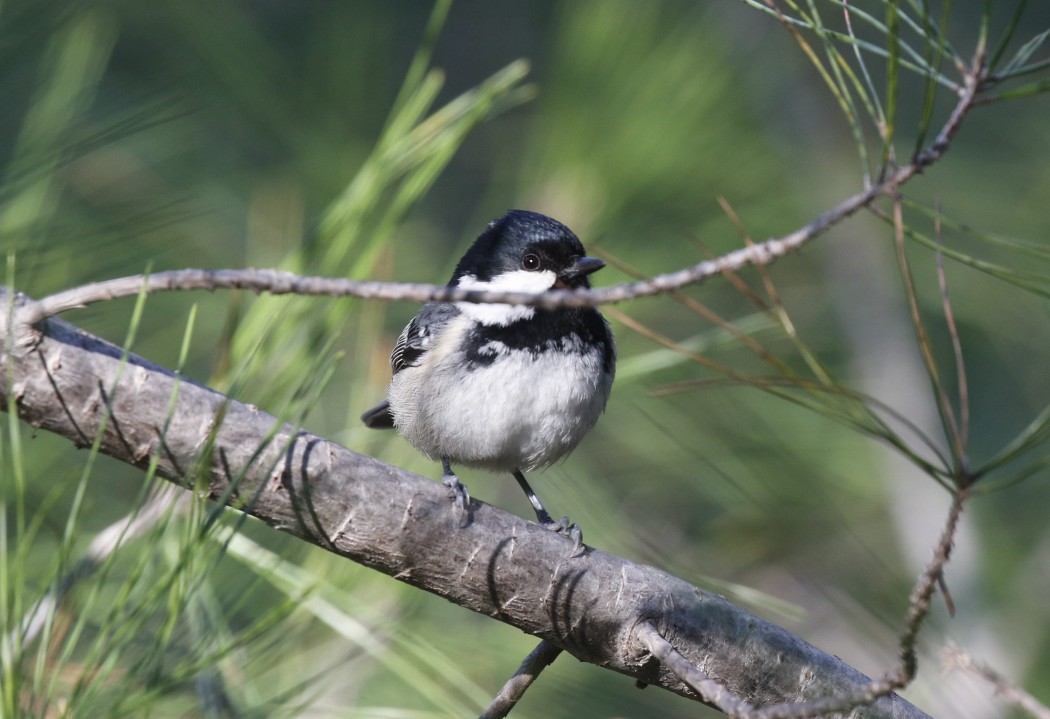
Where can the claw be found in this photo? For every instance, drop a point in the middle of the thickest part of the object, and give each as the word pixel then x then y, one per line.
pixel 458 491
pixel 570 530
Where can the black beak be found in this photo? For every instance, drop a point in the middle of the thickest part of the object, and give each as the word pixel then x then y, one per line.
pixel 575 275
pixel 583 266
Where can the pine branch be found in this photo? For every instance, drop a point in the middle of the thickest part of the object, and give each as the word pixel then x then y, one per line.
pixel 63 380
pixel 763 253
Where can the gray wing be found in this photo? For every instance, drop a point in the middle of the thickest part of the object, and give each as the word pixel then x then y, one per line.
pixel 418 336
pixel 421 334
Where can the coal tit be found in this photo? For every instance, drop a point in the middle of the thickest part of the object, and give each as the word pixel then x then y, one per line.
pixel 504 387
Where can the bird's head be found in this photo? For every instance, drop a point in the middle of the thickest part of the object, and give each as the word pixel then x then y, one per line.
pixel 524 251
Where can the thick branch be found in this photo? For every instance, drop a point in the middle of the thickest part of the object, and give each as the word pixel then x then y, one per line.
pixel 63 380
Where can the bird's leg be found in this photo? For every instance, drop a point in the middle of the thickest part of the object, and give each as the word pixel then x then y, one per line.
pixel 456 489
pixel 541 512
pixel 564 526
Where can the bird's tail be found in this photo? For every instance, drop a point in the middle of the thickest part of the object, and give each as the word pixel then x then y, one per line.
pixel 379 417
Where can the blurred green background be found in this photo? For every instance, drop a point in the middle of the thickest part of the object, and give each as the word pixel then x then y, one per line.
pixel 233 134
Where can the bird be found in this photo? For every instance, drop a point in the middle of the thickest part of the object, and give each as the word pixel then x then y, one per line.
pixel 506 388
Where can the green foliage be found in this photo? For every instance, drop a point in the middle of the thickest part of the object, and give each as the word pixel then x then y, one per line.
pixel 373 140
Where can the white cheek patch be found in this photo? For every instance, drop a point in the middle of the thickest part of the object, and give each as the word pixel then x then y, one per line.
pixel 517 281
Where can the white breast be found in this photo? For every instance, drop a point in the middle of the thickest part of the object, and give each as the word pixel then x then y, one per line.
pixel 525 411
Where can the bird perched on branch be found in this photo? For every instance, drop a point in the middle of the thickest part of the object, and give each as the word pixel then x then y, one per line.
pixel 504 387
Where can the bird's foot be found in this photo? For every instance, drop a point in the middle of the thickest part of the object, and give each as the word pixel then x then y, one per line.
pixel 459 493
pixel 564 526
pixel 570 530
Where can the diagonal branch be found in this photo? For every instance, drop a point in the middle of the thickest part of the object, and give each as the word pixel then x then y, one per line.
pixel 401 524
pixel 278 282
pixel 955 658
pixel 538 659
pixel 799 708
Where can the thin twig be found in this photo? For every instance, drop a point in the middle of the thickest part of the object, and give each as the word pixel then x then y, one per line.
pixel 706 313
pixel 955 658
pixel 919 602
pixel 709 690
pixel 279 282
pixel 774 309
pixel 538 659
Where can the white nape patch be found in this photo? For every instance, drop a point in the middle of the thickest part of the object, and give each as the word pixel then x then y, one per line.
pixel 516 281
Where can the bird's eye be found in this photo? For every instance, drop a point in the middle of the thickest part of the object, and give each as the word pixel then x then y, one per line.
pixel 530 262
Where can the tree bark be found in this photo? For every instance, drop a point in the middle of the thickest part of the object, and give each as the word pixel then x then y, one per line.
pixel 64 380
